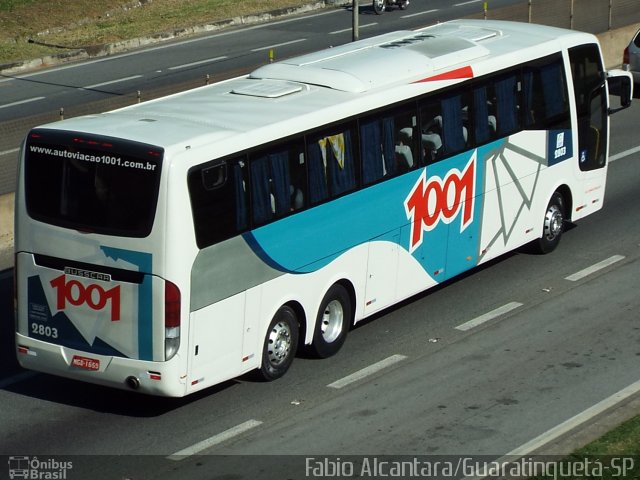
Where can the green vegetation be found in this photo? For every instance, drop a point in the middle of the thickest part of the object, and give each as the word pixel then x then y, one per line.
pixel 72 24
pixel 624 440
pixel 614 456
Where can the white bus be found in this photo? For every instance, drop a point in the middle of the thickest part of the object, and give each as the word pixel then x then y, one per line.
pixel 175 244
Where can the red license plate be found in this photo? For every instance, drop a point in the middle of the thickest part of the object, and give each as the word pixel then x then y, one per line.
pixel 85 363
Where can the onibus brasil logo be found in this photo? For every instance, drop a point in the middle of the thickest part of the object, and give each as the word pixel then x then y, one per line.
pixel 440 200
pixel 33 468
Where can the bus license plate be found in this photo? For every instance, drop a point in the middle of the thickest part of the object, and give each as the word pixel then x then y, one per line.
pixel 85 363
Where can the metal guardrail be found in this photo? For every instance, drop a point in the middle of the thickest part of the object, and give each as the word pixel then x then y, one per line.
pixel 594 16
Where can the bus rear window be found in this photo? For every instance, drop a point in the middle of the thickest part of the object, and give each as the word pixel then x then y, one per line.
pixel 95 184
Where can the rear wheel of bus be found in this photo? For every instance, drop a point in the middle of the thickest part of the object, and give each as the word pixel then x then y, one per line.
pixel 280 344
pixel 332 322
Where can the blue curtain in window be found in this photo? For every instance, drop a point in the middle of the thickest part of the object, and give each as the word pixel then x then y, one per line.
pixel 371 140
pixel 260 191
pixel 506 111
pixel 241 204
pixel 481 115
pixel 389 145
pixel 452 126
pixel 279 163
pixel 341 177
pixel 318 190
pixel 528 99
pixel 553 88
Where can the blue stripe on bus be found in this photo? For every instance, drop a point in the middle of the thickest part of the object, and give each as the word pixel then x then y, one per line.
pixel 324 232
pixel 144 262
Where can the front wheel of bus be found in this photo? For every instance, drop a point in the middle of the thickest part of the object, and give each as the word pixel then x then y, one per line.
pixel 332 323
pixel 553 224
pixel 280 344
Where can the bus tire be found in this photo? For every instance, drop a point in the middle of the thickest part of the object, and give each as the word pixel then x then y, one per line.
pixel 332 323
pixel 554 218
pixel 280 344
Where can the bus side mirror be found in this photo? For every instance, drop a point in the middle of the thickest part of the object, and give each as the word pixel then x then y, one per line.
pixel 620 85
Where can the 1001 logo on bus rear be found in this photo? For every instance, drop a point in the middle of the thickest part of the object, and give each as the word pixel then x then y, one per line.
pixel 92 295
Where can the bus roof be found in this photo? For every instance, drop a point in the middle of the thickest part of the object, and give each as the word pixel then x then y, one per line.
pixel 346 79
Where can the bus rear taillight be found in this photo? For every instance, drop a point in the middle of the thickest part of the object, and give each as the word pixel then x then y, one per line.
pixel 171 319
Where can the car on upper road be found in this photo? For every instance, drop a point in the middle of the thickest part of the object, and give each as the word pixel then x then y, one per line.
pixel 631 58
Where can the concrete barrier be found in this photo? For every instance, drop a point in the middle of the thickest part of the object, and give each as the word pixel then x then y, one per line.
pixel 613 43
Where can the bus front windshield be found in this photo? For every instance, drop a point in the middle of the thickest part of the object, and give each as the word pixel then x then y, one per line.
pixel 92 184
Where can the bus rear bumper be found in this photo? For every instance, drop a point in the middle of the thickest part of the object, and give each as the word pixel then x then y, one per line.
pixel 153 378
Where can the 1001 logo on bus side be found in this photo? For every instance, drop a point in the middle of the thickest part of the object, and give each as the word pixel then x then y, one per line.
pixel 441 200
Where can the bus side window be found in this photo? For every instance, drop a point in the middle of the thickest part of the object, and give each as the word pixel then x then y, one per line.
pixel 483 124
pixel 545 98
pixel 218 200
pixel 375 148
pixel 431 131
pixel 405 140
pixel 504 104
pixel 454 132
pixel 332 170
pixel 277 182
pixel 387 145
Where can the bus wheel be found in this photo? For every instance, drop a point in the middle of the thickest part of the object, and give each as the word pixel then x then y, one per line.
pixel 553 224
pixel 280 344
pixel 332 322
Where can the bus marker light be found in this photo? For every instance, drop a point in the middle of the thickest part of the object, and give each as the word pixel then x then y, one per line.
pixel 155 375
pixel 27 351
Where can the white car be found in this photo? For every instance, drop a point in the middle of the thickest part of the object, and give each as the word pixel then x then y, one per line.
pixel 631 58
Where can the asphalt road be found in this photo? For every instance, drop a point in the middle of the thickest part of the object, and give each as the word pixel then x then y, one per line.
pixel 569 339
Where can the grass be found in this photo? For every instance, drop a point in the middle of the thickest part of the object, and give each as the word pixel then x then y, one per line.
pixel 72 24
pixel 614 456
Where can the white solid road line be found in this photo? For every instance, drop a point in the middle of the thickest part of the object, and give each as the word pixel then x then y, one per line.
pixel 215 440
pixel 466 3
pixel 9 152
pixel 365 372
pixel 118 80
pixel 28 100
pixel 594 268
pixel 279 44
pixel 349 29
pixel 419 13
pixel 488 316
pixel 626 153
pixel 193 64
